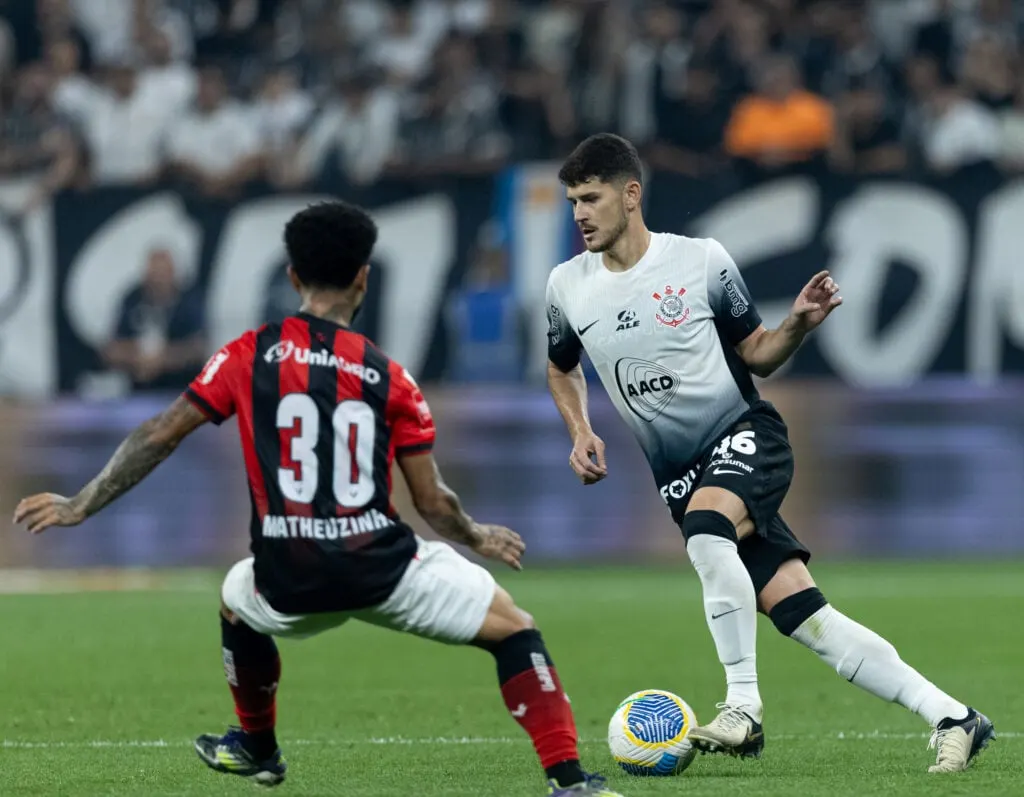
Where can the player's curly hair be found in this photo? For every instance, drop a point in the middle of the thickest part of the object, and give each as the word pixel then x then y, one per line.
pixel 329 242
pixel 605 157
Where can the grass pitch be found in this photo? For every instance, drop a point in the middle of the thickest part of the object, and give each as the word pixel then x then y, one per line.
pixel 102 692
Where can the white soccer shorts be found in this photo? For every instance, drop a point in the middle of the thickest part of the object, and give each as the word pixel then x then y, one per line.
pixel 442 596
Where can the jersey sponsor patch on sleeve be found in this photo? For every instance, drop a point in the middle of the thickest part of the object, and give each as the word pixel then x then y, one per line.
pixel 213 366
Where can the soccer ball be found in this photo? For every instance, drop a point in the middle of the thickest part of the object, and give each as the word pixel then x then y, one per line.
pixel 649 733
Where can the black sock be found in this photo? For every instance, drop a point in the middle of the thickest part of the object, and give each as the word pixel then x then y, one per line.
pixel 253 668
pixel 566 773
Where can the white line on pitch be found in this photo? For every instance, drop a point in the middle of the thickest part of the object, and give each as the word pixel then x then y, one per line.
pixel 15 744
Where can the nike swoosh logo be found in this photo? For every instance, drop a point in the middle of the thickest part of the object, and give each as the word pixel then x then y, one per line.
pixel 850 679
pixel 716 471
pixel 723 614
pixel 520 712
pixel 583 330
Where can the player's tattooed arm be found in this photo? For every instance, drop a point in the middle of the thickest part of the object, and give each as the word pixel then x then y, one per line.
pixel 436 502
pixel 145 448
pixel 440 507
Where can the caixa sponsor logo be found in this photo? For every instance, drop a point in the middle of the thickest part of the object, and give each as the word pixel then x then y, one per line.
pixel 679 488
pixel 286 350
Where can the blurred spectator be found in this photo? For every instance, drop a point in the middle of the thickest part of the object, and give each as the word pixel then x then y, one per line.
pixel 406 45
pixel 536 105
pixel 690 130
pixel 55 20
pixel 453 127
pixel 986 72
pixel 215 147
pixel 858 59
pixel 592 80
pixel 781 124
pixel 737 39
pixel 282 110
pixel 868 139
pixel 990 19
pixel 72 89
pixel 358 127
pixel 1012 133
pixel 934 38
pixel 654 62
pixel 483 317
pixel 956 131
pixel 161 73
pixel 115 28
pixel 123 125
pixel 549 30
pixel 34 137
pixel 160 340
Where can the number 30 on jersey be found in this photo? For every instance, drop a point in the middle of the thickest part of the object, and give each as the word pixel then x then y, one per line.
pixel 355 426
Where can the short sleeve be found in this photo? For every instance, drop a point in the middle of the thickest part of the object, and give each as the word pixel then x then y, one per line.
pixel 563 344
pixel 412 425
pixel 735 314
pixel 225 374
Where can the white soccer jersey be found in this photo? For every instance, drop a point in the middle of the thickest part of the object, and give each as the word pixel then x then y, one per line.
pixel 661 336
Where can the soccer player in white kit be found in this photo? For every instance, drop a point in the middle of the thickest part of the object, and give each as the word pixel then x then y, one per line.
pixel 674 336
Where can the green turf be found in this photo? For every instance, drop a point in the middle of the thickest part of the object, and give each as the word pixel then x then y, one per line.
pixel 87 676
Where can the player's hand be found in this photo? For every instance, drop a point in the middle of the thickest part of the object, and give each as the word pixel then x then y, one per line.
pixel 39 512
pixel 498 542
pixel 590 471
pixel 819 297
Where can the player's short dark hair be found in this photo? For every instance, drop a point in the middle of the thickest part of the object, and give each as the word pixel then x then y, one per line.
pixel 329 242
pixel 605 157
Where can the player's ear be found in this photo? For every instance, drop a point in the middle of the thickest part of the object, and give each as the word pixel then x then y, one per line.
pixel 633 193
pixel 362 278
pixel 294 279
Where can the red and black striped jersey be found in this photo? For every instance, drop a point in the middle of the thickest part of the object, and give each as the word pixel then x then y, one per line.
pixel 322 412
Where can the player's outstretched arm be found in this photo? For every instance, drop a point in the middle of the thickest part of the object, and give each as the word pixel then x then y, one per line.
pixel 766 350
pixel 569 390
pixel 145 448
pixel 438 504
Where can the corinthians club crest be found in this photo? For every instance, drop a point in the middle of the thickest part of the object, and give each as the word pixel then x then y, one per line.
pixel 672 310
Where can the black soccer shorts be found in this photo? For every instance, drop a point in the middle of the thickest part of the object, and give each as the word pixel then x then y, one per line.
pixel 753 460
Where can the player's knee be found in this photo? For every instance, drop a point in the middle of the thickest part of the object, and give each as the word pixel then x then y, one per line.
pixel 710 522
pixel 512 617
pixel 790 613
pixel 504 619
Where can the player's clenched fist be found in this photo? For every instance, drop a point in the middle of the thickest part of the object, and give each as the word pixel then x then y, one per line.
pixel 498 542
pixel 39 512
pixel 587 458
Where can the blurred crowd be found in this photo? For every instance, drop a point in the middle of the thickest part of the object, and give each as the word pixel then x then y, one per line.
pixel 216 93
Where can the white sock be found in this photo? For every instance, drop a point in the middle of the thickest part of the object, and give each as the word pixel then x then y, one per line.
pixel 730 607
pixel 863 658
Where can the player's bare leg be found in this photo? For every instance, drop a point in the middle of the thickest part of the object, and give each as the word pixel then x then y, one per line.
pixel 715 521
pixel 252 668
pixel 862 657
pixel 534 696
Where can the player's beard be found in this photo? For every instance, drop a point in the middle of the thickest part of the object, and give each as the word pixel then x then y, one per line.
pixel 613 237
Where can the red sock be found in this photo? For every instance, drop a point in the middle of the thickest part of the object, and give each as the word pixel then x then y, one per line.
pixel 253 668
pixel 534 697
pixel 255 692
